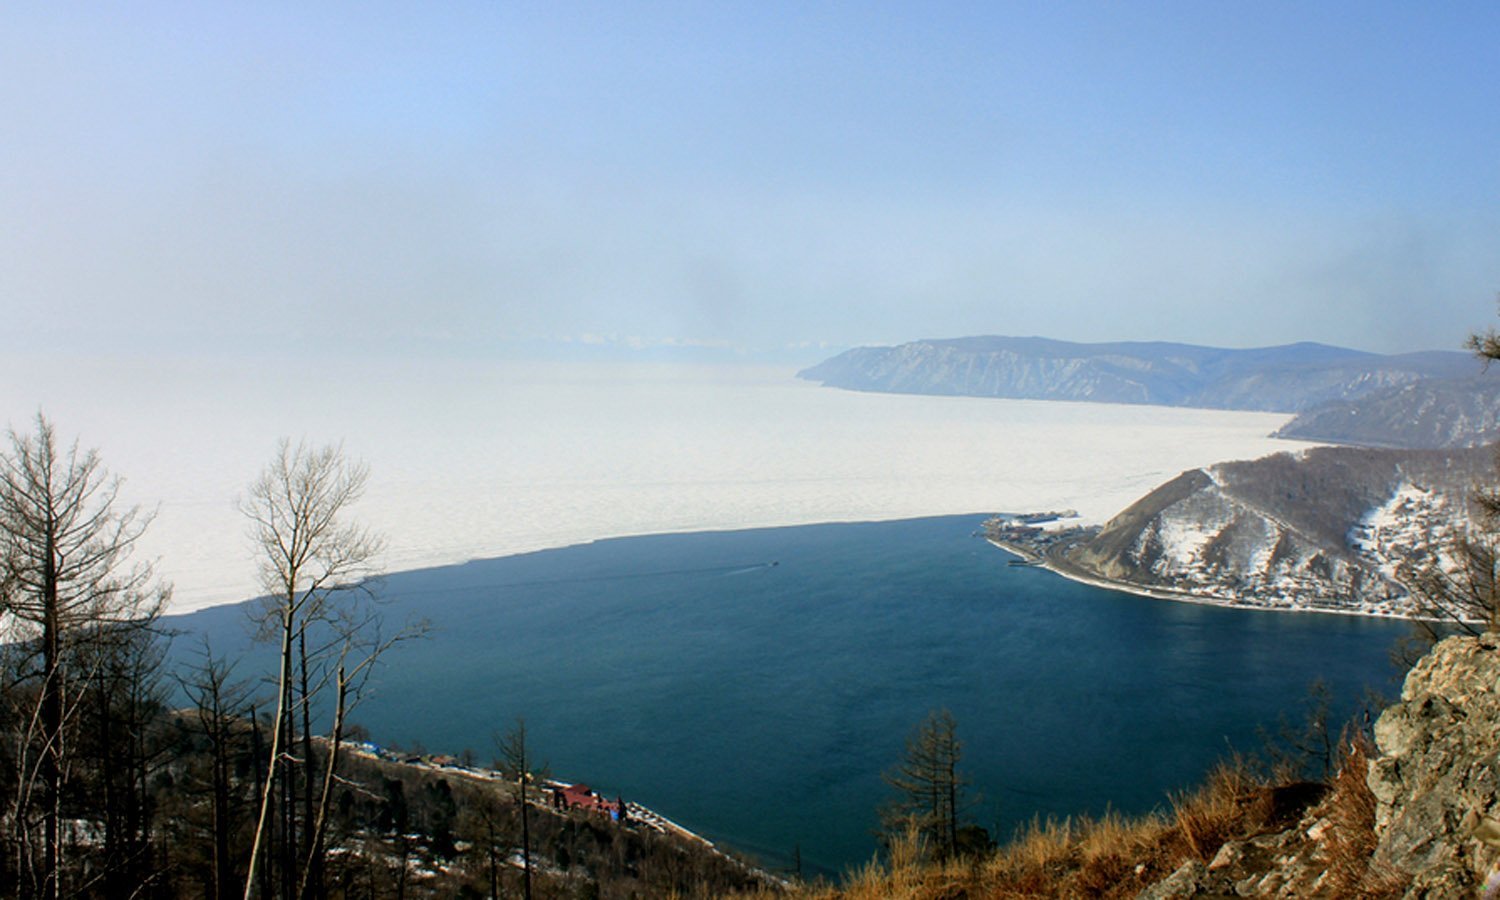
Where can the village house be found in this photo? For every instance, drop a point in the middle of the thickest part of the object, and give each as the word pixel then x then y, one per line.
pixel 582 797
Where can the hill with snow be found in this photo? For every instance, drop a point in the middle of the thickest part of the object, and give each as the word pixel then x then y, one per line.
pixel 1289 378
pixel 1330 528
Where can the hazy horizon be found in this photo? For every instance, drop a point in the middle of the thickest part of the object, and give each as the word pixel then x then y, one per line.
pixel 277 192
pixel 760 180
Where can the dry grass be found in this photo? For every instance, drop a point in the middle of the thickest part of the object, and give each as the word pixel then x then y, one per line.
pixel 1114 856
pixel 907 874
pixel 1350 810
pixel 1108 856
pixel 1229 806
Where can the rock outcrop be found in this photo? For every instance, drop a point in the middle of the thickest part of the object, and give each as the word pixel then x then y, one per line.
pixel 1425 821
pixel 1438 774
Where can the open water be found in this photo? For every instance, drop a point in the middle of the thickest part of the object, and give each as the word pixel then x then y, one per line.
pixel 753 685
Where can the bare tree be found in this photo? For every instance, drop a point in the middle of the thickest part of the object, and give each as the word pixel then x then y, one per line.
pixel 309 557
pixel 1458 585
pixel 123 743
pixel 359 644
pixel 69 584
pixel 484 825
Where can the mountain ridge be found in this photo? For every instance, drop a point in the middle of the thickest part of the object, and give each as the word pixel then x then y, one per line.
pixel 1286 378
pixel 1433 412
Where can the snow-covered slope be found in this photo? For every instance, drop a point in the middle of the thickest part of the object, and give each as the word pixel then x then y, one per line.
pixel 1332 528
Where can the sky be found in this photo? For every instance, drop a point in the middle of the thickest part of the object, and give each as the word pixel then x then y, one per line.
pixel 761 178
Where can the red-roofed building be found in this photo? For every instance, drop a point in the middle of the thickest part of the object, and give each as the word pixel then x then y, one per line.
pixel 581 796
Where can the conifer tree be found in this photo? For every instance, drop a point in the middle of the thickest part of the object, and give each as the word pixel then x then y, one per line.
pixel 930 789
pixel 71 595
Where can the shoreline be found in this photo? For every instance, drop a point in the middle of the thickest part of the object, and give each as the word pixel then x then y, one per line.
pixel 1072 573
pixel 411 690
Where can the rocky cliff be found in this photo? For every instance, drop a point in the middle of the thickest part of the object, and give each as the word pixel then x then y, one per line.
pixel 1419 820
pixel 1437 779
pixel 1278 379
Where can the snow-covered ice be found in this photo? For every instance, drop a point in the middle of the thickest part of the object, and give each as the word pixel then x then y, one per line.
pixel 474 459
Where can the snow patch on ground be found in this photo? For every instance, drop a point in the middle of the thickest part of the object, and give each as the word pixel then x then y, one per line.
pixel 1184 534
pixel 1409 530
pixel 1256 560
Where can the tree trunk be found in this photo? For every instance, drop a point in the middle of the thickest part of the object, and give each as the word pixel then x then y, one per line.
pixel 950 825
pixel 262 790
pixel 312 883
pixel 525 839
pixel 271 766
pixel 288 795
pixel 51 725
pixel 494 866
pixel 223 864
pixel 313 868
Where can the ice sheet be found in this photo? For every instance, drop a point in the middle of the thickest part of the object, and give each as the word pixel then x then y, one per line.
pixel 476 459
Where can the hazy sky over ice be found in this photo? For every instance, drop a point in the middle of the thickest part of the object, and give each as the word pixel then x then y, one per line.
pixel 501 174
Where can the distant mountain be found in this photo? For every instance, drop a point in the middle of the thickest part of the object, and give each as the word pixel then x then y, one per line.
pixel 1438 412
pixel 1334 527
pixel 1290 378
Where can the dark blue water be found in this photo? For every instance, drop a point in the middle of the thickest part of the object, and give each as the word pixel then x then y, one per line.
pixel 759 703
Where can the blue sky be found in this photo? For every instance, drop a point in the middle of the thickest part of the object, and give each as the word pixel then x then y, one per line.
pixel 505 177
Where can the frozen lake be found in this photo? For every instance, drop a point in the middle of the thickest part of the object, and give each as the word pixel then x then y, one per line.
pixel 472 459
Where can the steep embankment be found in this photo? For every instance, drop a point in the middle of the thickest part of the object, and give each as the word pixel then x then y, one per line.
pixel 1332 528
pixel 1276 379
pixel 455 827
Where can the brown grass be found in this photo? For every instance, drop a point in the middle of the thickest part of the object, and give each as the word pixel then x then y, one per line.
pixel 1108 856
pixel 1350 845
pixel 1229 806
